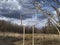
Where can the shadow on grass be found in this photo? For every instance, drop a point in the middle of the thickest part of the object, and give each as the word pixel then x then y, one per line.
pixel 51 42
pixel 8 40
pixel 47 42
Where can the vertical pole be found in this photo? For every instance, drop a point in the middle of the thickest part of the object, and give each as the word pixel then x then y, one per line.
pixel 23 35
pixel 32 35
pixel 21 19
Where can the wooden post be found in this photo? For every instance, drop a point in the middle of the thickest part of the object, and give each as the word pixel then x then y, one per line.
pixel 23 35
pixel 33 35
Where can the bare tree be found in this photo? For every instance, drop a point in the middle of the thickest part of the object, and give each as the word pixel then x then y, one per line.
pixel 47 14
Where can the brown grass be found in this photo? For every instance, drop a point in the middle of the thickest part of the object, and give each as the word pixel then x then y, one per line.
pixel 39 39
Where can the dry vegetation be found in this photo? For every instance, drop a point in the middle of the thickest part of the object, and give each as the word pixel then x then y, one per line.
pixel 39 39
pixel 12 35
pixel 42 39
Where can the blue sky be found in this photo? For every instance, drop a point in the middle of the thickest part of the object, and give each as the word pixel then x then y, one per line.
pixel 26 7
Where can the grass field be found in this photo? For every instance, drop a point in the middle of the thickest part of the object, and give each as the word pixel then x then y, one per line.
pixel 39 39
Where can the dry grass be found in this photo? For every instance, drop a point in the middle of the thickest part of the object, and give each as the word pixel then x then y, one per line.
pixel 39 39
pixel 47 39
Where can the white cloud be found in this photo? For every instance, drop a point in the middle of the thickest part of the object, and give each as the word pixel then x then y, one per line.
pixel 13 5
pixel 24 8
pixel 59 9
pixel 27 22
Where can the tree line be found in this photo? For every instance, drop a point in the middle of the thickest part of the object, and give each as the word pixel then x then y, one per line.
pixel 9 27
